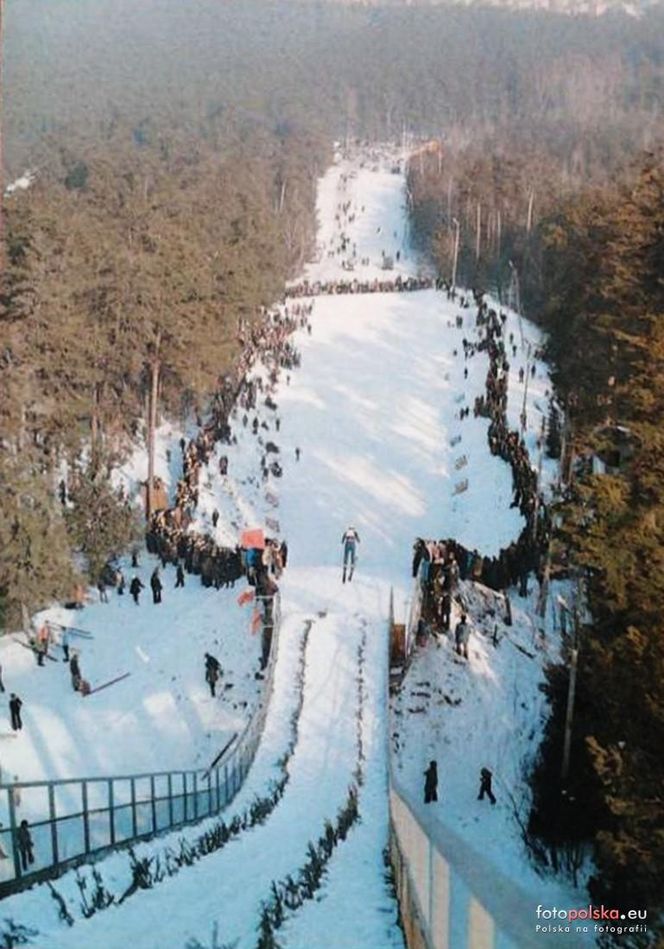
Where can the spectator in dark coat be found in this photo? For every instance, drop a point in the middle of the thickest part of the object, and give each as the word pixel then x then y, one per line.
pixel 461 636
pixel 212 672
pixel 485 786
pixel 75 671
pixel 24 843
pixel 135 588
pixel 156 585
pixel 15 710
pixel 431 783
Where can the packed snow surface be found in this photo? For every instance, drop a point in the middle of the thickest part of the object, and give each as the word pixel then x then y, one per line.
pixel 374 409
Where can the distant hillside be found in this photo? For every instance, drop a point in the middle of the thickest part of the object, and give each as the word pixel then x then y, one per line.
pixel 573 84
pixel 569 7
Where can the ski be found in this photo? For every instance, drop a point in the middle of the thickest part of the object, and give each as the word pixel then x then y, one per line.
pixel 74 630
pixel 105 685
pixel 32 649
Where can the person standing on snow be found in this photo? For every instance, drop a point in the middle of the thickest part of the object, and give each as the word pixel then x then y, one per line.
pixel 135 588
pixel 461 636
pixel 179 576
pixel 101 587
pixel 431 783
pixel 485 786
pixel 155 583
pixel 41 647
pixel 212 672
pixel 25 846
pixel 75 671
pixel 350 540
pixel 15 710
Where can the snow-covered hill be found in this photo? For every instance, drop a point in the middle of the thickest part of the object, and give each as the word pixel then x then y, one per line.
pixel 374 410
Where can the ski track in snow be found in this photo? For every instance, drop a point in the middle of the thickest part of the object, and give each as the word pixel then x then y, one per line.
pixel 373 408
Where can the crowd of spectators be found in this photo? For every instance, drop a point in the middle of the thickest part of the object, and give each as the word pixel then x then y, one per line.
pixel 266 344
pixel 396 284
pixel 440 564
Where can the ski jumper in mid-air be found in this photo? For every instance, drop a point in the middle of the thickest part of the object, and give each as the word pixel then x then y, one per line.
pixel 350 540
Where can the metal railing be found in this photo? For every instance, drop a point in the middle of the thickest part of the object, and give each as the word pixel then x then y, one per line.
pixel 414 614
pixel 451 896
pixel 72 820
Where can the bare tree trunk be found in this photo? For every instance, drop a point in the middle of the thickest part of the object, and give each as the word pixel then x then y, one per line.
pixel 94 418
pixel 478 238
pixel 155 366
pixel 529 219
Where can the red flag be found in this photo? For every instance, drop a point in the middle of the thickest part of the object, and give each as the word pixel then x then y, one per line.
pixel 245 597
pixel 253 538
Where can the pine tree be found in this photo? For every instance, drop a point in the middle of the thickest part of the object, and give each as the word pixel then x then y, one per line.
pixel 35 566
pixel 101 522
pixel 554 434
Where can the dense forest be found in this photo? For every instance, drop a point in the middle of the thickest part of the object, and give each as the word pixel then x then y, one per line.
pixel 130 262
pixel 603 263
pixel 176 152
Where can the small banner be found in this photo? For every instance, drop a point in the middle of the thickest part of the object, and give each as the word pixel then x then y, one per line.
pixel 245 597
pixel 461 462
pixel 256 621
pixel 461 486
pixel 455 440
pixel 252 539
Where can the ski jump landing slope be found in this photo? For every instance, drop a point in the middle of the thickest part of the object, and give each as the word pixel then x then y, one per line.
pixel 373 408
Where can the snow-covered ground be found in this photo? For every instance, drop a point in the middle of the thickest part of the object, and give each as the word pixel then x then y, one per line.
pixel 162 716
pixel 487 712
pixel 22 183
pixel 374 409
